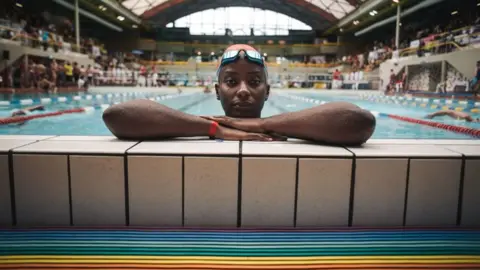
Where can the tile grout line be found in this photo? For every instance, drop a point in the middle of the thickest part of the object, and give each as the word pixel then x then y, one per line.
pixel 11 178
pixel 460 191
pixel 295 204
pixel 183 191
pixel 405 199
pixel 352 188
pixel 70 200
pixel 240 183
pixel 126 186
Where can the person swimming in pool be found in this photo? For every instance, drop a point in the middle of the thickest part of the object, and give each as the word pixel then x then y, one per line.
pixel 26 111
pixel 454 114
pixel 242 90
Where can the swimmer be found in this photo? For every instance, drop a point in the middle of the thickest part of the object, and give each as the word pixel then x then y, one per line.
pixel 207 90
pixel 454 114
pixel 26 111
pixel 242 90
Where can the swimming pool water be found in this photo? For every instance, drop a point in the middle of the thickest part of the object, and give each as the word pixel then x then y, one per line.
pixel 206 104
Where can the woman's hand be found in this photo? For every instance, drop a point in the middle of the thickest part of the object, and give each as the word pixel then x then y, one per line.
pixel 245 124
pixel 231 134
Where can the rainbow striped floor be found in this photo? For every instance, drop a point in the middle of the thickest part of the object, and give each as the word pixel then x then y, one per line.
pixel 239 249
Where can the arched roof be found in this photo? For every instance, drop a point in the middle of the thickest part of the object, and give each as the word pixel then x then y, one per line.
pixel 319 14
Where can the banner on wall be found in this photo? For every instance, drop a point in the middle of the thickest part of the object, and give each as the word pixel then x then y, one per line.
pixel 415 44
pixel 318 59
pixel 96 51
pixel 429 38
pixel 67 47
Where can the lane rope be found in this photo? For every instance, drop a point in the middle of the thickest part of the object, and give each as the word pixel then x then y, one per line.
pixel 20 119
pixel 458 129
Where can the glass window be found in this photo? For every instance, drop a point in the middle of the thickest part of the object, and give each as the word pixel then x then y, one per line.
pixel 183 22
pixel 208 16
pixel 220 18
pixel 258 17
pixel 215 21
pixel 338 8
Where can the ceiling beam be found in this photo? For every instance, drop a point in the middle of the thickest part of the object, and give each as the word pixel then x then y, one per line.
pixel 122 10
pixel 361 10
pixel 300 13
pixel 89 15
pixel 353 2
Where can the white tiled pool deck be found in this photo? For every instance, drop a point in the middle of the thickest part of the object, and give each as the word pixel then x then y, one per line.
pixel 99 180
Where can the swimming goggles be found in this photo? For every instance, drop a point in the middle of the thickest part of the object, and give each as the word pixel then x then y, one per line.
pixel 232 56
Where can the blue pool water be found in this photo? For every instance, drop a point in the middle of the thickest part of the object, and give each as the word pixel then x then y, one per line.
pixel 206 104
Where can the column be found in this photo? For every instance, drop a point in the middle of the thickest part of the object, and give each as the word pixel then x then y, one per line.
pixel 26 75
pixel 77 26
pixel 397 28
pixel 405 86
pixel 443 75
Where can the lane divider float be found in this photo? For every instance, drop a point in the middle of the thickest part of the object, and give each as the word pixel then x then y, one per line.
pixel 87 109
pixel 457 129
pixel 20 119
pixel 88 97
pixel 468 103
pixel 45 100
pixel 434 105
pixel 26 101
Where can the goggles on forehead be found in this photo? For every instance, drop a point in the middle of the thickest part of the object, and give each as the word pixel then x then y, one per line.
pixel 232 56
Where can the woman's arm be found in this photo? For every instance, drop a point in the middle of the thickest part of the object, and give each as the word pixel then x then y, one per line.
pixel 334 123
pixel 145 119
pixel 339 123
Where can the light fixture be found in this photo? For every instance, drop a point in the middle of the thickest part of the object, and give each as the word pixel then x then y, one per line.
pixel 341 29
pixel 120 18
pixel 102 7
pixel 265 54
pixel 395 1
pixel 212 53
pixel 19 5
pixel 356 22
pixel 478 4
pixel 199 53
pixel 373 13
pixel 134 26
pixel 454 12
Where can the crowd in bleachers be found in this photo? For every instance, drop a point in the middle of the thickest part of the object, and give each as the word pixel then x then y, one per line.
pixel 44 30
pixel 454 34
pixel 49 74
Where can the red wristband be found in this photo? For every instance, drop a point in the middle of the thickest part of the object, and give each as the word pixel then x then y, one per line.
pixel 213 129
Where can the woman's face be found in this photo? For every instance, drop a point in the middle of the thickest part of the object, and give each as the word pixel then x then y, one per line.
pixel 242 89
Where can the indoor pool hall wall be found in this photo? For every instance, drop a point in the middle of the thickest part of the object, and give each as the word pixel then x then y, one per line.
pixel 100 181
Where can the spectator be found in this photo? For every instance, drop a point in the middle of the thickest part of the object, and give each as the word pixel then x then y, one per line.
pixel 76 72
pixel 68 71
